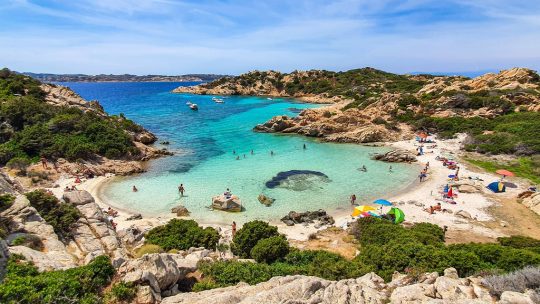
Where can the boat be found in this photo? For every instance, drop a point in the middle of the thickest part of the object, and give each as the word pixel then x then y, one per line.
pixel 269 98
pixel 194 107
pixel 217 100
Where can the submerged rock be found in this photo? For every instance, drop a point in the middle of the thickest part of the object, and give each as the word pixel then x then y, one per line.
pixel 265 200
pixel 297 180
pixel 180 211
pixel 232 204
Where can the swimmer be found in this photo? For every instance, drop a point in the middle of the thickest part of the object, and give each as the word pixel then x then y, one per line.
pixel 135 189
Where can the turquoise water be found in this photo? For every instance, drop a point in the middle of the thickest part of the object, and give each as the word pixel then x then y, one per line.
pixel 204 142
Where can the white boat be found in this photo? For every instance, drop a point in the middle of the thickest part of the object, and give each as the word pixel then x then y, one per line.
pixel 194 107
pixel 269 98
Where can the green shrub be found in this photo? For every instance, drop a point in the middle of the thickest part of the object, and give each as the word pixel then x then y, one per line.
pixel 61 216
pixel 24 284
pixel 182 235
pixel 6 200
pixel 147 249
pixel 270 249
pixel 520 242
pixel 205 284
pixel 29 240
pixel 122 292
pixel 249 235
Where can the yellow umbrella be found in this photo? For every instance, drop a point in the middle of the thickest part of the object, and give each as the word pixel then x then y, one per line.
pixel 361 209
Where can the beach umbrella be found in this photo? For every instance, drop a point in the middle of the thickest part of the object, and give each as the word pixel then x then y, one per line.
pixel 382 202
pixel 361 209
pixel 504 172
pixel 398 215
pixel 451 176
pixel 450 193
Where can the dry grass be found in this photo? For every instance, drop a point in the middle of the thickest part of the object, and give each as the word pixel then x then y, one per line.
pixel 519 281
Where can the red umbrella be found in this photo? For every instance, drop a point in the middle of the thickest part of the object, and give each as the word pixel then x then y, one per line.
pixel 450 193
pixel 504 172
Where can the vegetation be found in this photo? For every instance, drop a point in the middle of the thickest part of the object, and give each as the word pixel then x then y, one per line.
pixel 147 249
pixel 270 249
pixel 6 200
pixel 28 240
pixel 249 235
pixel 61 216
pixel 121 292
pixel 32 128
pixel 526 167
pixel 181 235
pixel 24 284
pixel 522 280
pixel 385 248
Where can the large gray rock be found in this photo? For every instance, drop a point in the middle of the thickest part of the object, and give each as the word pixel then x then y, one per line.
pixel 78 197
pixel 396 156
pixel 292 289
pixel 232 204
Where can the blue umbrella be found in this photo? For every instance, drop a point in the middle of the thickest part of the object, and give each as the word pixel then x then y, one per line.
pixel 382 202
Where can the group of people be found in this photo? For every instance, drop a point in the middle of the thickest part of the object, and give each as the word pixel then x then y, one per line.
pixel 304 147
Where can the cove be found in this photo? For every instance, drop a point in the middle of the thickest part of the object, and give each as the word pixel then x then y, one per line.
pixel 213 151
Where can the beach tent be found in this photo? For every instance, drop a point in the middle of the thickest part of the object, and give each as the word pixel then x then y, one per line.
pixel 398 214
pixel 361 209
pixel 497 187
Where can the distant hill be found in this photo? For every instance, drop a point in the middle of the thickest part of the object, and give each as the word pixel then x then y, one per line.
pixel 45 77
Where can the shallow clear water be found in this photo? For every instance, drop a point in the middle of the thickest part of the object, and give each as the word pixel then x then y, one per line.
pixel 205 163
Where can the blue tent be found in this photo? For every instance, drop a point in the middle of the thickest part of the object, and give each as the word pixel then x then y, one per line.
pixel 497 187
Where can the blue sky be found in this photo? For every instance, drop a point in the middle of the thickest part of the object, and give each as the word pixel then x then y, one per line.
pixel 204 36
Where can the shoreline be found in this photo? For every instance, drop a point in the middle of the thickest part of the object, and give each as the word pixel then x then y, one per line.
pixel 476 204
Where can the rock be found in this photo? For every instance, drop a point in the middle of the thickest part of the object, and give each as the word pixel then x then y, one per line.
pixel 137 216
pixel 532 202
pixel 232 204
pixel 468 189
pixel 145 137
pixel 131 236
pixel 463 214
pixel 292 289
pixel 180 211
pixel 265 200
pixel 320 217
pixel 417 293
pixel 451 273
pixel 160 271
pixel 145 295
pixel 78 197
pixel 512 297
pixel 397 155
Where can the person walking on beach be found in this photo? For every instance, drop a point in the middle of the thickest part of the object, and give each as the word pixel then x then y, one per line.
pixel 181 189
pixel 353 199
pixel 233 229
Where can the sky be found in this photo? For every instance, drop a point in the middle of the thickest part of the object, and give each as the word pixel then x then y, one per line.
pixel 176 37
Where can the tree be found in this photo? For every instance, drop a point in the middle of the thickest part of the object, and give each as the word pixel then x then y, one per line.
pixel 250 234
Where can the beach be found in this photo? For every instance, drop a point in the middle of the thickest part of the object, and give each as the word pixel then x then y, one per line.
pixel 414 200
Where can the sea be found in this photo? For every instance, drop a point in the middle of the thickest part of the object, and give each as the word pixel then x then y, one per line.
pixel 216 148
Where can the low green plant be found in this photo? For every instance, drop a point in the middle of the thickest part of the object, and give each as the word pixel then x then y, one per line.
pixel 121 292
pixel 6 201
pixel 249 235
pixel 270 249
pixel 28 240
pixel 182 235
pixel 147 249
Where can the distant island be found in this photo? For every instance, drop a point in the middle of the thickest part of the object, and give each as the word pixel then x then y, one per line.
pixel 46 77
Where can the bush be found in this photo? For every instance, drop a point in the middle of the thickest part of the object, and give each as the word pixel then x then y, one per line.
pixel 6 200
pixel 122 292
pixel 205 284
pixel 29 240
pixel 182 235
pixel 61 216
pixel 270 249
pixel 18 163
pixel 24 284
pixel 147 249
pixel 249 235
pixel 520 242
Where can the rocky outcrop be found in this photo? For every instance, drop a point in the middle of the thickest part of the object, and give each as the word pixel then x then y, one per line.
pixel 58 95
pixel 370 288
pixel 532 201
pixel 396 156
pixel 231 204
pixel 319 218
pixel 7 185
pixel 265 200
pixel 24 218
pixel 93 235
pixel 157 275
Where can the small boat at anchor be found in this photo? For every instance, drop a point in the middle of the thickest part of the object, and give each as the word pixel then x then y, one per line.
pixel 217 100
pixel 192 106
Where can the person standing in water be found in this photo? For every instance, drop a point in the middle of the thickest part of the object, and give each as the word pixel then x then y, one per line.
pixel 181 189
pixel 353 199
pixel 305 146
pixel 251 152
pixel 390 169
pixel 271 153
pixel 233 151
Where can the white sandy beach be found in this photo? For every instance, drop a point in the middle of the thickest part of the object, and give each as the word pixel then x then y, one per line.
pixel 426 193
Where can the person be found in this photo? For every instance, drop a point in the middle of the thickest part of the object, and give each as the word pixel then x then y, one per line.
pixel 390 169
pixel 66 189
pixel 238 158
pixel 227 193
pixel 305 146
pixel 77 180
pixel 233 228
pixel 427 165
pixel 233 151
pixel 353 199
pixel 73 188
pixel 364 168
pixel 244 156
pixel 252 152
pixel 44 162
pixel 181 189
pixel 135 189
pixel 271 153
